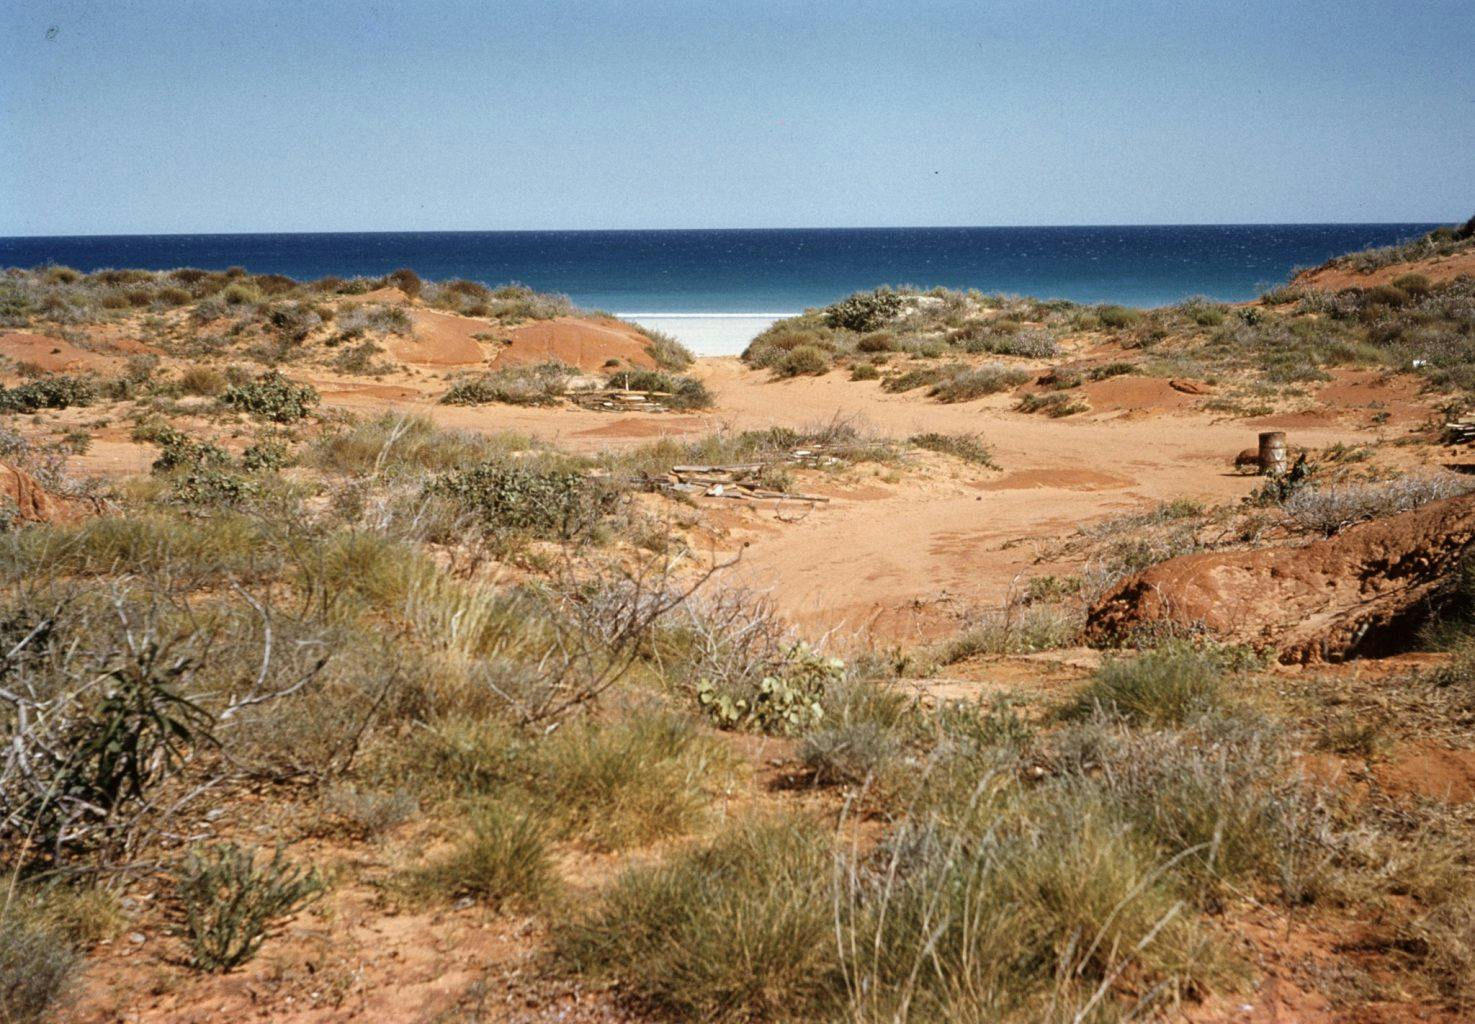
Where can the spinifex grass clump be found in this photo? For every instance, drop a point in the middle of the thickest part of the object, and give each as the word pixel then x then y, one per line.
pixel 742 929
pixel 1168 685
pixel 38 967
pixel 230 903
pixel 503 860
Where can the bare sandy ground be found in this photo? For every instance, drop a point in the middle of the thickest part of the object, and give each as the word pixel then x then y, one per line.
pixel 894 547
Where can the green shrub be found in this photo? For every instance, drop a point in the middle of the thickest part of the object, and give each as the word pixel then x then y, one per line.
pixel 962 384
pixel 1203 312
pixel 1117 317
pixel 865 311
pixel 1016 629
pixel 788 701
pixel 680 392
pixel 1385 295
pixel 878 341
pixel 538 384
pixel 273 397
pixel 865 371
pixel 850 753
pixel 178 450
pixel 371 814
pixel 623 784
pixel 240 295
pixel 294 321
pixel 1056 404
pixel 392 443
pixel 805 360
pixel 1025 919
pixel 668 353
pixel 230 903
pixel 1416 285
pixel 510 498
pixel 58 392
pixel 769 349
pixel 914 378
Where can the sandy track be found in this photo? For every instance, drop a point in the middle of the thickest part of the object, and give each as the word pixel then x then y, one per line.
pixel 893 551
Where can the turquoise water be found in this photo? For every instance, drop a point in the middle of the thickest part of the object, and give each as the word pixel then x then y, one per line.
pixel 756 272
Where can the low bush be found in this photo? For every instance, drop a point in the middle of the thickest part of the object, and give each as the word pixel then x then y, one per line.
pixel 407 281
pixel 804 360
pixel 273 397
pixel 396 444
pixel 203 380
pixel 372 318
pixel 679 392
pixel 986 338
pixel 770 348
pixel 538 384
pixel 1329 509
pixel 369 813
pixel 294 321
pixel 668 353
pixel 968 447
pixel 788 700
pixel 1118 317
pixel 865 311
pixel 914 378
pixel 850 753
pixel 963 384
pixel 54 392
pixel 1055 404
pixel 623 784
pixel 561 504
pixel 1015 629
pixel 231 903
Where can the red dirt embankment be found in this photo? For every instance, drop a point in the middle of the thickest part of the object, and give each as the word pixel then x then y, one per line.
pixel 1361 592
pixel 1333 278
pixel 29 502
pixel 448 340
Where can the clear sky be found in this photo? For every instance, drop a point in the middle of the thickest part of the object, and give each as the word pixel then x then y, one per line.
pixel 124 116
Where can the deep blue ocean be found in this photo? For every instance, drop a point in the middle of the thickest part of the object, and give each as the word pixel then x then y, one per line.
pixel 765 271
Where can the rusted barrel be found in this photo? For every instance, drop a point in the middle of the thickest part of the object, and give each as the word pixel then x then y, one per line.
pixel 1273 453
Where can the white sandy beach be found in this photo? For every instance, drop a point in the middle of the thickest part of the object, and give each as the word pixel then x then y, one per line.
pixel 708 334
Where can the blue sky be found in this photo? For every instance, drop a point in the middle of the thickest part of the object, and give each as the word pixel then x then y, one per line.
pixel 149 116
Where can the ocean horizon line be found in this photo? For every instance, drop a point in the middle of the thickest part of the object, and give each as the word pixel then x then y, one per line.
pixel 632 231
pixel 709 316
